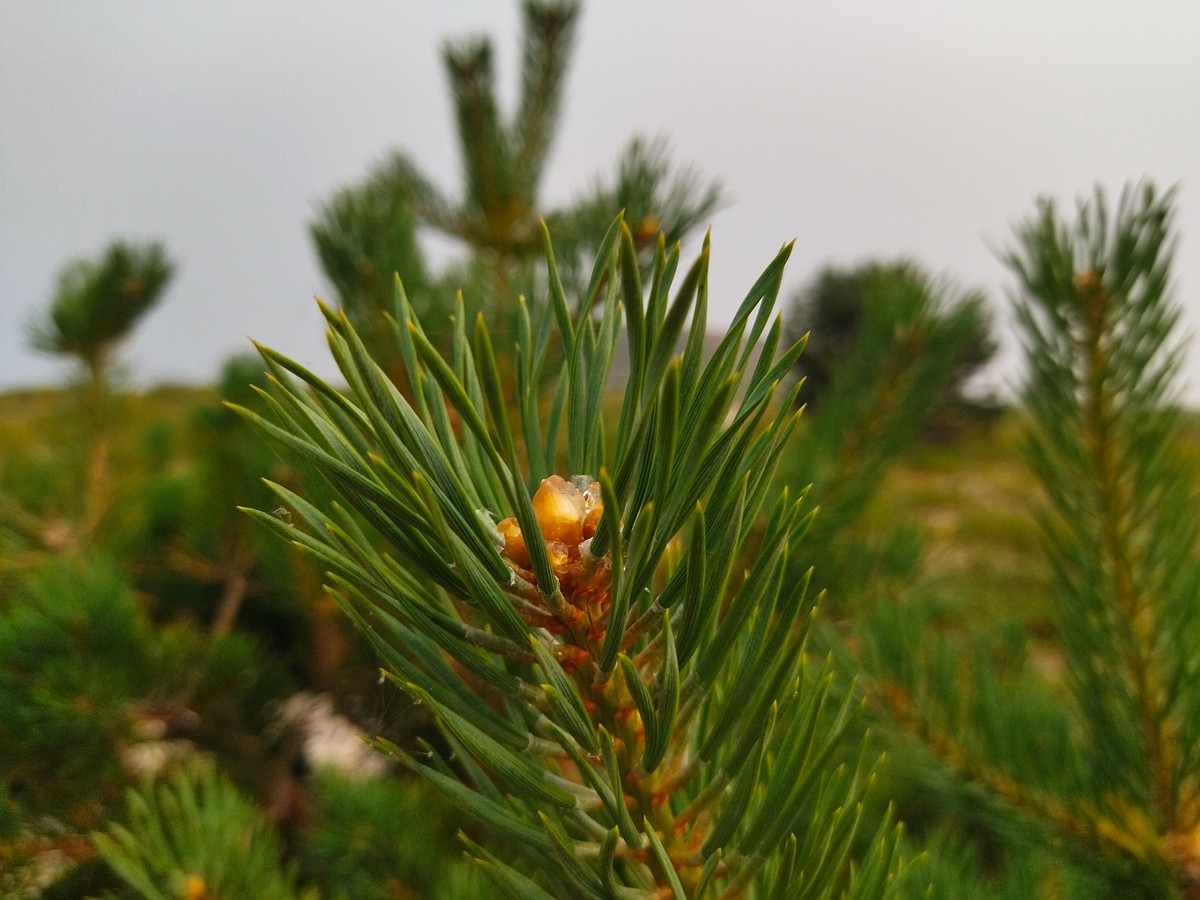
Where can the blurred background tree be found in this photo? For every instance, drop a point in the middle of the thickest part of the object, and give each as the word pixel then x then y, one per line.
pixel 368 231
pixel 96 306
pixel 98 303
pixel 503 163
pixel 1070 759
pixel 889 354
pixel 658 197
pixel 842 308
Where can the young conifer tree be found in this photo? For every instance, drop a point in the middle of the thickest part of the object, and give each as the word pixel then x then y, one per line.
pixel 369 230
pixel 96 307
pixel 98 303
pixel 503 157
pixel 889 341
pixel 1102 770
pixel 592 601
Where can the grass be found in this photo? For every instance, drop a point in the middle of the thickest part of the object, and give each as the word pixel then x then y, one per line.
pixel 972 502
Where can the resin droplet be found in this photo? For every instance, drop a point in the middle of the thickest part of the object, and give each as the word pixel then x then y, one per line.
pixel 559 507
pixel 592 521
pixel 514 541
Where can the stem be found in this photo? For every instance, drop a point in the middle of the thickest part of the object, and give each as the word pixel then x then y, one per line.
pixel 1116 505
pixel 237 585
pixel 614 711
pixel 97 402
pixel 942 744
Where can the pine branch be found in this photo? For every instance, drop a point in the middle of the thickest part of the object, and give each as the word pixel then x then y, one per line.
pixel 548 35
pixel 1102 375
pixel 485 150
pixel 652 678
pixel 1123 539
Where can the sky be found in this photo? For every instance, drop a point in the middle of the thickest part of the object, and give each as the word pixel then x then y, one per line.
pixel 864 130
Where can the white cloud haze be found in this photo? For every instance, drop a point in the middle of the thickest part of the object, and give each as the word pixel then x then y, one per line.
pixel 863 129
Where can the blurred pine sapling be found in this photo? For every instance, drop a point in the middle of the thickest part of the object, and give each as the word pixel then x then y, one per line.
pixel 363 234
pixel 891 348
pixel 657 196
pixel 854 313
pixel 1103 771
pixel 96 306
pixel 98 303
pixel 558 581
pixel 195 836
pixel 384 838
pixel 75 654
pixel 369 230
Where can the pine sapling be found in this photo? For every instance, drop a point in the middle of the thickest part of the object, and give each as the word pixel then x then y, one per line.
pixel 556 576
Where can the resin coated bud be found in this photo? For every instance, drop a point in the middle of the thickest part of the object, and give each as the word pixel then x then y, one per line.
pixel 567 513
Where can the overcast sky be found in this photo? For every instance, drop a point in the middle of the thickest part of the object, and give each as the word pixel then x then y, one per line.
pixel 862 129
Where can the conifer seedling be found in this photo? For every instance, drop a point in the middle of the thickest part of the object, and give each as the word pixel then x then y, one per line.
pixel 593 597
pixel 1099 769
